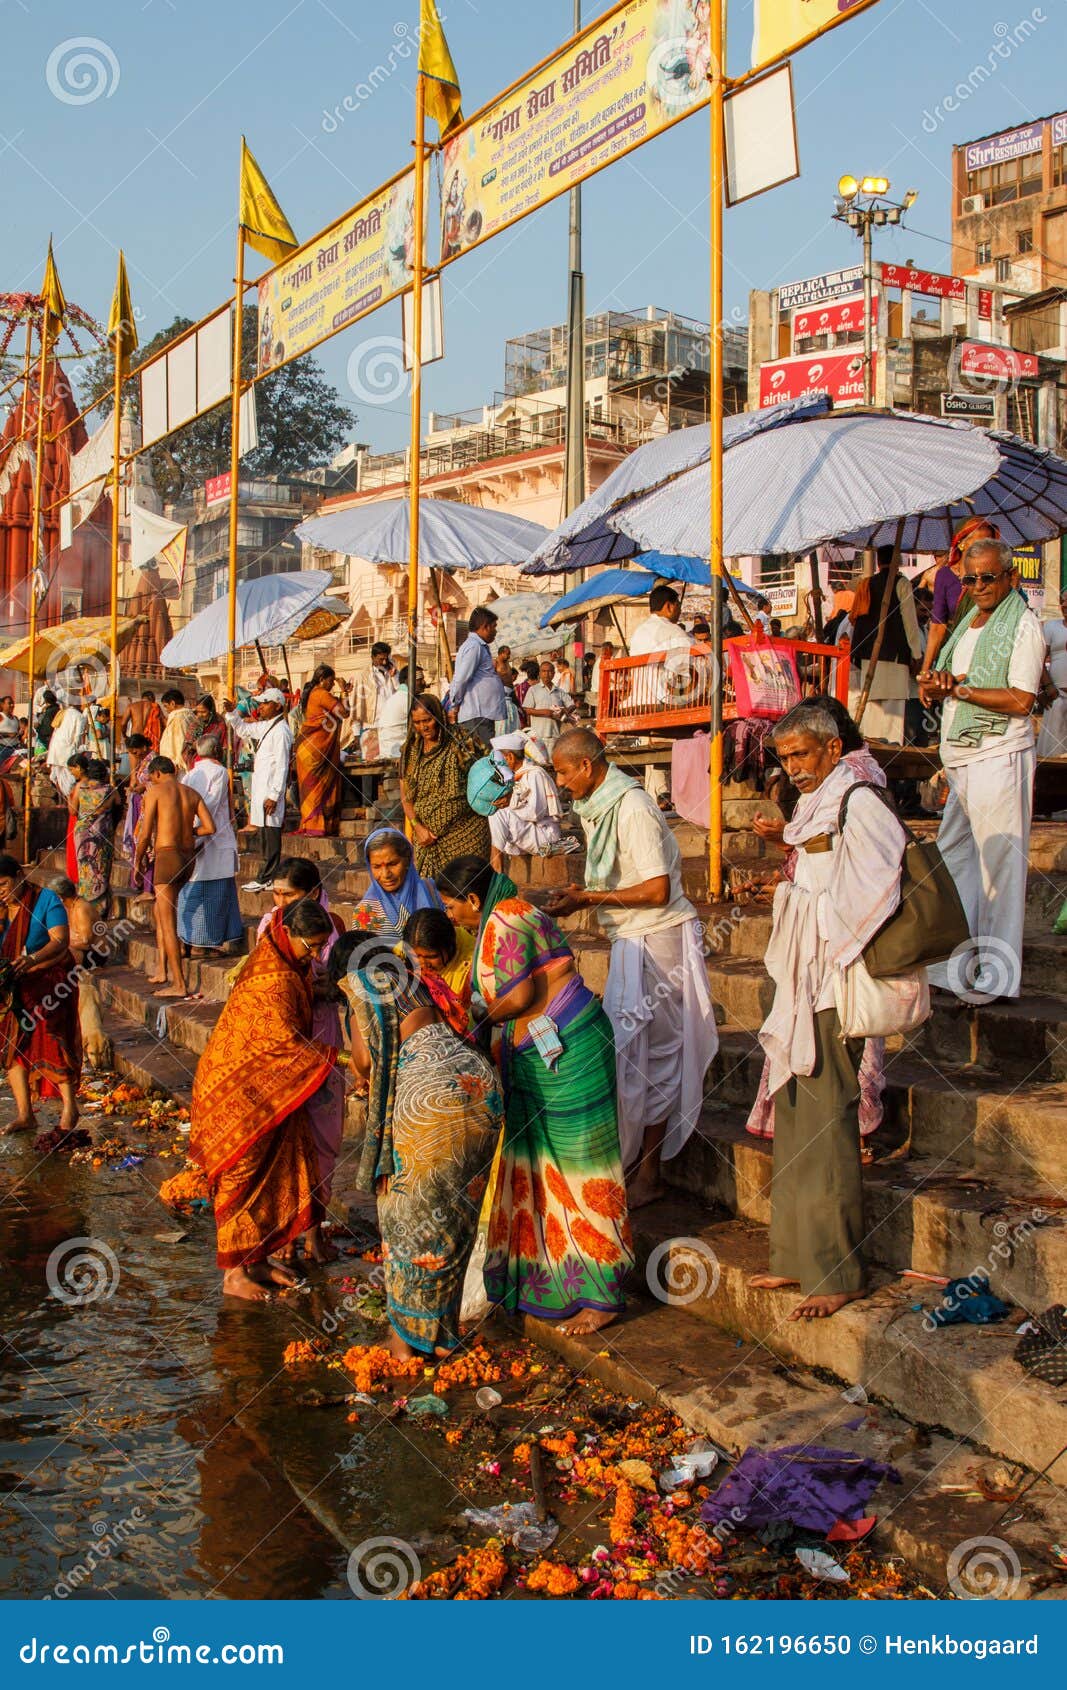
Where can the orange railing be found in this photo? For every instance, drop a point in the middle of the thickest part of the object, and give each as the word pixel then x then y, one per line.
pixel 666 691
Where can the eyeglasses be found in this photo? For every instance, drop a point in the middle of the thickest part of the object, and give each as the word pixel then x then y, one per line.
pixel 986 579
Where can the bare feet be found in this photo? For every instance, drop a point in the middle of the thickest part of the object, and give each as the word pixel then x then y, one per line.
pixel 645 1189
pixel 589 1321
pixel 316 1246
pixel 770 1282
pixel 821 1308
pixel 397 1347
pixel 68 1121
pixel 280 1273
pixel 19 1125
pixel 237 1283
pixel 172 992
pixel 156 980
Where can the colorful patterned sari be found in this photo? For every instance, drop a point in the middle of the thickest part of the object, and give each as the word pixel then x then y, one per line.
pixel 436 782
pixel 250 1129
pixel 318 765
pixel 94 839
pixel 433 1120
pixel 559 1234
pixel 39 1025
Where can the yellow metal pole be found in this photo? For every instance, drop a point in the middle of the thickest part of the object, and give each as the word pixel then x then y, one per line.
pixel 235 466
pixel 417 267
pixel 34 564
pixel 116 494
pixel 715 406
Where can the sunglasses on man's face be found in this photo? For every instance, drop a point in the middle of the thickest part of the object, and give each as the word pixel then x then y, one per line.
pixel 986 579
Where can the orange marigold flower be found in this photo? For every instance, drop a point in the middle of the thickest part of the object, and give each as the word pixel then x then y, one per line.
pixel 520 1185
pixel 540 1201
pixel 593 1243
pixel 559 1188
pixel 605 1197
pixel 498 1228
pixel 555 1239
pixel 555 1578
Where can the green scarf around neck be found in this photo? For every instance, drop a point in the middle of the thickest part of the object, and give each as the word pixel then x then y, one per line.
pixel 600 817
pixel 989 665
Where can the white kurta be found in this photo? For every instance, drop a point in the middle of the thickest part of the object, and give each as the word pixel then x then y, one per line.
pixel 68 736
pixel 273 743
pixel 1052 741
pixel 217 857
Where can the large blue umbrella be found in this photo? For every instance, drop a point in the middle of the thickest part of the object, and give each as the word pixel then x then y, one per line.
pixel 269 609
pixel 816 479
pixel 610 586
pixel 451 535
pixel 586 539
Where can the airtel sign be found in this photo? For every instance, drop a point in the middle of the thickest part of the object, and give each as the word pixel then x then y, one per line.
pixel 839 316
pixel 840 374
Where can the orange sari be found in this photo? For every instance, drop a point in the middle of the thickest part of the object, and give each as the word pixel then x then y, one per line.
pixel 318 765
pixel 249 1131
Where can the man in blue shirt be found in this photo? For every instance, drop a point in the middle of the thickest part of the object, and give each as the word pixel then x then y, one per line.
pixel 476 696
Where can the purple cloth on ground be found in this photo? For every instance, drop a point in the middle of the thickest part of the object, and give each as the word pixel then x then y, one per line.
pixel 806 1484
pixel 948 591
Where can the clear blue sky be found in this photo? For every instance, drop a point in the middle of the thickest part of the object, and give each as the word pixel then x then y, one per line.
pixel 151 164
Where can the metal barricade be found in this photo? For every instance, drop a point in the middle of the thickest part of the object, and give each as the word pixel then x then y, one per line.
pixel 669 691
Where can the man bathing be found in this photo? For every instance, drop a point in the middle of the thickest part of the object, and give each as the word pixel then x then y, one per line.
pixel 174 820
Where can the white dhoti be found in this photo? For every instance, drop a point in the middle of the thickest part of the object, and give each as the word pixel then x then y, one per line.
pixel 660 1009
pixel 985 840
pixel 512 832
pixel 883 716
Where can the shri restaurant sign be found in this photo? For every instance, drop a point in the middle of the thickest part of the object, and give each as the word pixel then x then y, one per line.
pixel 840 374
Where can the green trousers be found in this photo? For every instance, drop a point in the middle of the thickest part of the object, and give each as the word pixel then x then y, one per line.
pixel 817 1184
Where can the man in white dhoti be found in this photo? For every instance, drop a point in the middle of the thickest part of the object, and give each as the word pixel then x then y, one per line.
pixel 656 996
pixel 69 734
pixel 272 738
pixel 902 646
pixel 209 913
pixel 530 822
pixel 845 886
pixel 987 678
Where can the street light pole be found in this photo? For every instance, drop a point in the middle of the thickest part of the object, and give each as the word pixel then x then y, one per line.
pixel 861 203
pixel 868 326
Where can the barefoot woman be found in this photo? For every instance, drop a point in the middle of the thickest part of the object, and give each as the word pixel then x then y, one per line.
pixel 250 1131
pixel 559 1234
pixel 434 1115
pixel 39 1031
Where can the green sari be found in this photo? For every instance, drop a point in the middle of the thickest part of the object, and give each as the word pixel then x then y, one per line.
pixel 559 1233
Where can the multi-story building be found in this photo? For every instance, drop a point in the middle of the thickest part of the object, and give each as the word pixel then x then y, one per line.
pixel 1009 207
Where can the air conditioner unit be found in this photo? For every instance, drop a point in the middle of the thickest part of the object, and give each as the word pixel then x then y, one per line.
pixel 972 203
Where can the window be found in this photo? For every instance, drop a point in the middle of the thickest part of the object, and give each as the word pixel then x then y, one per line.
pixel 1059 166
pixel 983 252
pixel 1015 179
pixel 1003 270
pixel 1024 240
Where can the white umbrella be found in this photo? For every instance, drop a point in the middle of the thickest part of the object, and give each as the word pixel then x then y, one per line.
pixel 451 535
pixel 519 624
pixel 269 610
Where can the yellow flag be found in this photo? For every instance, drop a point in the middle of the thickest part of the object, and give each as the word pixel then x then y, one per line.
pixel 265 224
pixel 443 97
pixel 174 554
pixel 781 25
pixel 52 289
pixel 121 321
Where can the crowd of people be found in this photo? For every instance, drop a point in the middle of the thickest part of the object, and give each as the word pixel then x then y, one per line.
pixel 505 1103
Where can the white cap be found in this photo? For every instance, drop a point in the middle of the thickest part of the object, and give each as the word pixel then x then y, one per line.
pixel 271 696
pixel 509 742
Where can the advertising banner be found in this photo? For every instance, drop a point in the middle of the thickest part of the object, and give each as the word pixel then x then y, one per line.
pixel 923 281
pixel 840 316
pixel 832 284
pixel 359 263
pixel 997 363
pixel 840 374
pixel 1030 562
pixel 999 149
pixel 781 25
pixel 626 78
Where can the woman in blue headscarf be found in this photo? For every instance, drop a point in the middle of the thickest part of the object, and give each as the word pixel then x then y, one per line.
pixel 396 887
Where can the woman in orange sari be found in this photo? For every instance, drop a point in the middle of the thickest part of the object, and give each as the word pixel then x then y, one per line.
pixel 250 1130
pixel 318 753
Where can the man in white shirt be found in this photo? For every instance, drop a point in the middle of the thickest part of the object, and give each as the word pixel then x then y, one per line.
pixel 547 705
pixel 209 914
pixel 530 822
pixel 661 631
pixel 656 996
pixel 180 734
pixel 987 678
pixel 1052 741
pixel 393 719
pixel 69 735
pixel 272 738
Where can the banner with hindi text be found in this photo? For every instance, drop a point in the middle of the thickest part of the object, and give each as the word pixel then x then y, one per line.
pixel 360 262
pixel 629 76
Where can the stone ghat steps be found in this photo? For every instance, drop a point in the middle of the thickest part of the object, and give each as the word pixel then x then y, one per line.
pixel 960 1379
pixel 738 1393
pixel 923 1215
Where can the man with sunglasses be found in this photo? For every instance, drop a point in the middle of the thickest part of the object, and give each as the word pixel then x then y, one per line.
pixel 987 678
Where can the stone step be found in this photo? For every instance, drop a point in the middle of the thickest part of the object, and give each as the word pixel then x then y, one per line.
pixel 739 1395
pixel 921 1215
pixel 961 1379
pixel 1025 1037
